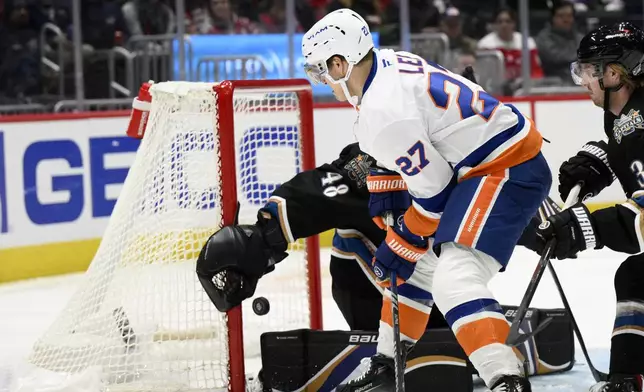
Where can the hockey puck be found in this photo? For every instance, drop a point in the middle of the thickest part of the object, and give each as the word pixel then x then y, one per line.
pixel 261 306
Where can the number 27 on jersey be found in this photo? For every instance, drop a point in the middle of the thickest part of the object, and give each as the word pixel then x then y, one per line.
pixel 444 90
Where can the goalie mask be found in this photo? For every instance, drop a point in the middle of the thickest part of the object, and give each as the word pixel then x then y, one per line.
pixel 231 262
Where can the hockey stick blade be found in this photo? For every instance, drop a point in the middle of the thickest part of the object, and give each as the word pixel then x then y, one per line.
pixel 395 316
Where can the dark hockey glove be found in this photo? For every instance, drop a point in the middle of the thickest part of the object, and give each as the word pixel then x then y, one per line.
pixel 589 167
pixel 236 257
pixel 573 230
pixel 387 194
pixel 529 238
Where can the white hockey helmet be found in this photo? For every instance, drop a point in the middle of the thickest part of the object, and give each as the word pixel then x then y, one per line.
pixel 342 32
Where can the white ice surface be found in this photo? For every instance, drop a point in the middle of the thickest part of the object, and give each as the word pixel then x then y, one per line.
pixel 27 308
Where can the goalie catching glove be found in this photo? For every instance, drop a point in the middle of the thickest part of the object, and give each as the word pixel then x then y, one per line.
pixel 236 257
pixel 573 231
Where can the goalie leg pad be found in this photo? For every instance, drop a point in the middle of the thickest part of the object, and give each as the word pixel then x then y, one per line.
pixel 476 318
pixel 627 343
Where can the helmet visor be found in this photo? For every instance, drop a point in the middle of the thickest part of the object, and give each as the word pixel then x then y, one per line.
pixel 316 72
pixel 584 73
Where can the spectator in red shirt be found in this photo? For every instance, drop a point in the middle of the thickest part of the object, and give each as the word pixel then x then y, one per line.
pixel 218 17
pixel 509 41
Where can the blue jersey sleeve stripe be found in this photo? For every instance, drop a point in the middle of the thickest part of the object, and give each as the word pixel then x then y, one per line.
pixel 436 203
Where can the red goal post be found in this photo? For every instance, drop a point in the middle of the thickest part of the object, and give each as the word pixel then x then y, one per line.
pixel 225 101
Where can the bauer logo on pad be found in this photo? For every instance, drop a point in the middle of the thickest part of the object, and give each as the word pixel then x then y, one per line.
pixel 4 220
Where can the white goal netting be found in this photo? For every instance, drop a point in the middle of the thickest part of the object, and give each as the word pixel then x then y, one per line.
pixel 140 320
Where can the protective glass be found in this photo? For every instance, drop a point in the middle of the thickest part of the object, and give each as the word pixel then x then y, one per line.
pixel 584 73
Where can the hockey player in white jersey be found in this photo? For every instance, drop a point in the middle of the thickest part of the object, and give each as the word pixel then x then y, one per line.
pixel 476 175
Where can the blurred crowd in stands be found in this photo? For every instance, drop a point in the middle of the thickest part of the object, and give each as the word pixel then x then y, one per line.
pixel 470 25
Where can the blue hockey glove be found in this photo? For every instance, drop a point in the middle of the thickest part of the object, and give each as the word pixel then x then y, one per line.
pixel 388 194
pixel 400 251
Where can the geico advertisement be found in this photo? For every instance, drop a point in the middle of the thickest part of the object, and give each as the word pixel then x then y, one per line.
pixel 59 180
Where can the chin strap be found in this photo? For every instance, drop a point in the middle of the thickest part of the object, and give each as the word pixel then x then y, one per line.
pixel 607 91
pixel 352 99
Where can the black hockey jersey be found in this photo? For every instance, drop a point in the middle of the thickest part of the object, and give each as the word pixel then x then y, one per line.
pixel 332 196
pixel 626 143
pixel 616 226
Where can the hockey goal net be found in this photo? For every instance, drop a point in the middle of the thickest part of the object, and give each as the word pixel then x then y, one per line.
pixel 140 320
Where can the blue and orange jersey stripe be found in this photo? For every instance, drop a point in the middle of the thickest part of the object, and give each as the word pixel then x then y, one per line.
pixel 505 151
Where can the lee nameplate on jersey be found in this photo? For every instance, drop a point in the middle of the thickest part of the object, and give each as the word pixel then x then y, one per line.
pixel 627 124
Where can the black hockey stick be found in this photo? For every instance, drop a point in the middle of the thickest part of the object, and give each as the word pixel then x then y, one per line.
pixel 395 320
pixel 597 375
pixel 515 337
pixel 399 365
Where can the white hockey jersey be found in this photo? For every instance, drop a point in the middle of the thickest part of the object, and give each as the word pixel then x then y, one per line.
pixel 436 128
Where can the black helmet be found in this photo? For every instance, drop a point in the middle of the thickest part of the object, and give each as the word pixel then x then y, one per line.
pixel 622 43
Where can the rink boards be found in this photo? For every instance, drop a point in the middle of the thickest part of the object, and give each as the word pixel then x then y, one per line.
pixel 60 175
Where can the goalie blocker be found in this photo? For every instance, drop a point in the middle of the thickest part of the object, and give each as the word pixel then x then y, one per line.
pixel 320 360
